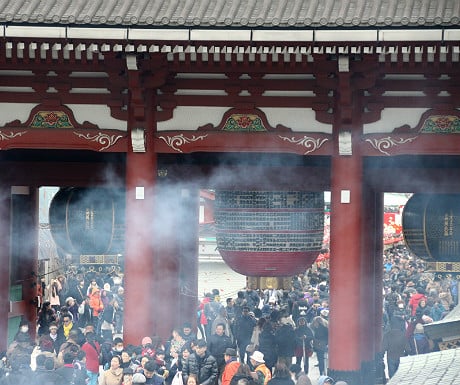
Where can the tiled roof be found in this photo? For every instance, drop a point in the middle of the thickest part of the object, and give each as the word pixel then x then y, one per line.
pixel 441 368
pixel 449 326
pixel 234 13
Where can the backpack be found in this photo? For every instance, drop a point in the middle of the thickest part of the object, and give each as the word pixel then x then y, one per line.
pixel 211 310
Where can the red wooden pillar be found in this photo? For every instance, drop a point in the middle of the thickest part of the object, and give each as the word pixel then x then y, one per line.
pixel 139 254
pixel 167 255
pixel 345 274
pixel 24 252
pixel 371 287
pixel 141 170
pixel 346 232
pixel 176 255
pixel 5 225
pixel 188 264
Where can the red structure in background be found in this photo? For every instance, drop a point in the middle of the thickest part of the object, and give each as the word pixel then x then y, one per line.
pixel 392 228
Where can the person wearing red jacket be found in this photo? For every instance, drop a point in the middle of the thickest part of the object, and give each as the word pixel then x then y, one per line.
pixel 92 349
pixel 95 302
pixel 415 299
pixel 231 366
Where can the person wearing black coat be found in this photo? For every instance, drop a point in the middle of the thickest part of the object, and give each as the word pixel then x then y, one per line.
pixel 320 328
pixel 202 364
pixel 300 309
pixel 267 345
pixel 244 326
pixel 304 340
pixel 281 376
pixel 252 298
pixel 285 342
pixel 217 344
pixel 46 316
pixel 69 373
pixel 78 291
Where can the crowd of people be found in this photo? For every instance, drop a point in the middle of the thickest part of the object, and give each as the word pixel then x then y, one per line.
pixel 261 337
pixel 412 299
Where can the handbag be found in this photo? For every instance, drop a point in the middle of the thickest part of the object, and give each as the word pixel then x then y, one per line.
pixel 81 308
pixel 177 379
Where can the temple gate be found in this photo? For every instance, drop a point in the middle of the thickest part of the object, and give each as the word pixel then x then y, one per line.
pixel 307 104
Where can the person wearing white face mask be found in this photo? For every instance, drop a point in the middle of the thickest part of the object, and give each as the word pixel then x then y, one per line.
pixel 23 332
pixel 117 349
pixel 400 315
pixel 22 343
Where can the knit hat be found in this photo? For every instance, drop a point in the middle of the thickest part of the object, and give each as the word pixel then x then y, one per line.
pixel 258 357
pixel 139 378
pixel 419 328
pixel 146 340
pixel 325 380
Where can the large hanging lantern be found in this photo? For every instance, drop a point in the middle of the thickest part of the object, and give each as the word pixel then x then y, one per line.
pixel 87 220
pixel 431 226
pixel 269 233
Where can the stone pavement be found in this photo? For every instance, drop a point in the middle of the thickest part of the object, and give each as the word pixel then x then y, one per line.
pixel 313 372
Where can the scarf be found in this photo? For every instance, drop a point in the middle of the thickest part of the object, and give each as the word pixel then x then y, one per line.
pixel 67 329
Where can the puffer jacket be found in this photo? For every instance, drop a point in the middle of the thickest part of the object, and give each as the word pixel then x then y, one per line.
pixel 204 367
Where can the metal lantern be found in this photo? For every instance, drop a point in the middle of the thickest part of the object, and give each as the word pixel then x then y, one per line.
pixel 269 233
pixel 87 220
pixel 431 226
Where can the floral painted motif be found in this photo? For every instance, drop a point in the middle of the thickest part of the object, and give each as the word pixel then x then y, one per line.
pixel 244 122
pixel 51 119
pixel 441 124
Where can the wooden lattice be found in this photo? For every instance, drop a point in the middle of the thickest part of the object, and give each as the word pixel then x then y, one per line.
pixel 451 344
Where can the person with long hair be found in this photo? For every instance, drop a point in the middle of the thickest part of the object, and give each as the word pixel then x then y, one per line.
pixel 46 316
pixel 281 375
pixel 243 372
pixel 320 328
pixel 54 289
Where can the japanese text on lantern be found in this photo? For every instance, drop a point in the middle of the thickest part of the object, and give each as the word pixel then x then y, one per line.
pixel 448 224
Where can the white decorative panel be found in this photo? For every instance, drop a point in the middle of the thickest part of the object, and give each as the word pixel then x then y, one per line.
pixel 190 118
pixel 13 111
pixel 393 118
pixel 297 119
pixel 97 114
